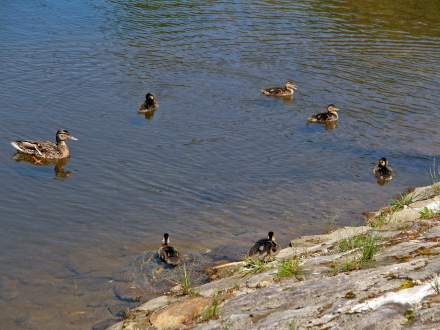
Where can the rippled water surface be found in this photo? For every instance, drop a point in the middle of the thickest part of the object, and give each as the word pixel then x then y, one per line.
pixel 218 165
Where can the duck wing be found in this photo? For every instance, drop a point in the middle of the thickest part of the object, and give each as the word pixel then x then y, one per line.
pixel 322 117
pixel 169 255
pixel 147 108
pixel 260 247
pixel 37 148
pixel 273 91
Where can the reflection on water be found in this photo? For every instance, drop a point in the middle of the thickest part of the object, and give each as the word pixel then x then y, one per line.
pixel 148 115
pixel 219 165
pixel 58 165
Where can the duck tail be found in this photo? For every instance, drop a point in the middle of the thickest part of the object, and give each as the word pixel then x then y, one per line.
pixel 15 145
pixel 173 261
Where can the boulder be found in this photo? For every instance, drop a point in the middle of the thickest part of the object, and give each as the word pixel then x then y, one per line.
pixel 179 314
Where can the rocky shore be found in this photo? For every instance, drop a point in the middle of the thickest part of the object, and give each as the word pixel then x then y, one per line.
pixel 384 275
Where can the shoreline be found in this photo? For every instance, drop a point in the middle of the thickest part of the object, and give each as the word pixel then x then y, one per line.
pixel 380 275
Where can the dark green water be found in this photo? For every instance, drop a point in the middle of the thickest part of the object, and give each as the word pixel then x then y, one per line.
pixel 218 164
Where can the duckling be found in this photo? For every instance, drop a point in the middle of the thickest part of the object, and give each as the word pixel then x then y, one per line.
pixel 265 247
pixel 168 253
pixel 150 105
pixel 288 90
pixel 330 116
pixel 382 171
pixel 46 149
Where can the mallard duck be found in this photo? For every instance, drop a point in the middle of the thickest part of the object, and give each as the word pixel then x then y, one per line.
pixel 150 104
pixel 288 90
pixel 168 253
pixel 330 116
pixel 382 171
pixel 265 247
pixel 46 149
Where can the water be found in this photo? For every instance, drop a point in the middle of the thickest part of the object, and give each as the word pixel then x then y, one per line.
pixel 218 165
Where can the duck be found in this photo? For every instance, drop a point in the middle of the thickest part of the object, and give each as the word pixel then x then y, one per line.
pixel 46 149
pixel 287 90
pixel 167 253
pixel 265 247
pixel 326 117
pixel 383 171
pixel 150 104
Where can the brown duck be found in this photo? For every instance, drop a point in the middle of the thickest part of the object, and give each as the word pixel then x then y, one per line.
pixel 46 149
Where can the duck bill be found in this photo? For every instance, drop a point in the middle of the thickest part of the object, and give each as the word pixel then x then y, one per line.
pixel 73 138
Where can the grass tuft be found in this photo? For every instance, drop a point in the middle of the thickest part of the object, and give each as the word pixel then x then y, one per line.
pixel 435 284
pixel 292 325
pixel 211 311
pixel 186 282
pixel 404 200
pixel 351 243
pixel 407 284
pixel 426 213
pixel 253 266
pixel 410 316
pixel 368 246
pixel 436 188
pixel 289 268
pixel 380 220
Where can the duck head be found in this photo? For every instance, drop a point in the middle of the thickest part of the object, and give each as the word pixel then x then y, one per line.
pixel 332 108
pixel 63 135
pixel 149 98
pixel 290 85
pixel 383 162
pixel 166 239
pixel 271 236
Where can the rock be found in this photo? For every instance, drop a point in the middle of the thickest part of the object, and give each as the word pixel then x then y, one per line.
pixel 127 292
pixel 117 326
pixel 373 295
pixel 155 303
pixel 261 280
pixel 428 318
pixel 211 325
pixel 423 193
pixel 179 314
pixel 320 243
pixel 208 289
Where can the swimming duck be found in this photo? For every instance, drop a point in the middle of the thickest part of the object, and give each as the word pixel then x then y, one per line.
pixel 168 253
pixel 150 104
pixel 288 90
pixel 330 116
pixel 46 149
pixel 382 171
pixel 265 247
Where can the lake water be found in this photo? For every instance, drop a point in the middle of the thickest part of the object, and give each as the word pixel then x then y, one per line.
pixel 218 165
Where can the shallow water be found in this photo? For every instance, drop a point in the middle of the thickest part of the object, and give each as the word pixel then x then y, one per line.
pixel 218 164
